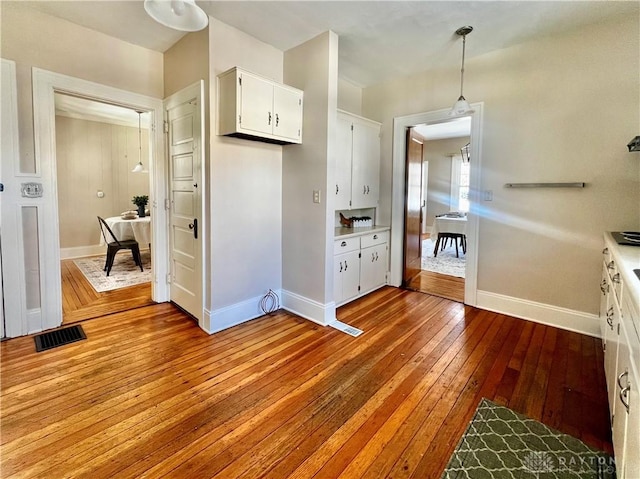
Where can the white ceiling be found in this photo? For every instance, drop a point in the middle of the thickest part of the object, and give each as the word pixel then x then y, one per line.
pixel 81 108
pixel 378 40
pixel 454 128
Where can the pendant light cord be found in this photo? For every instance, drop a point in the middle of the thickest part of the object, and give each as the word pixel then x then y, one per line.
pixel 464 40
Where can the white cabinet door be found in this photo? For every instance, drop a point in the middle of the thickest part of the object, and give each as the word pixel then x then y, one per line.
pixel 632 446
pixel 612 344
pixel 366 165
pixel 346 276
pixel 373 267
pixel 287 105
pixel 256 104
pixel 604 303
pixel 344 152
pixel 622 386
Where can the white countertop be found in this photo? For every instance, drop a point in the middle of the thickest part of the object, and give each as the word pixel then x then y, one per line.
pixel 350 232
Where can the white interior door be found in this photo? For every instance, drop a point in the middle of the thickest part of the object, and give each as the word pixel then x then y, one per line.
pixel 184 115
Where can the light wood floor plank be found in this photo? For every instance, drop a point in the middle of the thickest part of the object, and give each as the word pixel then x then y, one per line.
pixel 150 394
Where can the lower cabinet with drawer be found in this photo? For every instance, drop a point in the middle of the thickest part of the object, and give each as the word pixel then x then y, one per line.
pixel 360 265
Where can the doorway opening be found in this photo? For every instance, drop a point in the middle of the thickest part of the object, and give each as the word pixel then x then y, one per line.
pixel 98 146
pixel 406 176
pixel 437 185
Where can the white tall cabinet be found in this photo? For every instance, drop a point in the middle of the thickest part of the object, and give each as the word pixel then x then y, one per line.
pixel 620 327
pixel 357 162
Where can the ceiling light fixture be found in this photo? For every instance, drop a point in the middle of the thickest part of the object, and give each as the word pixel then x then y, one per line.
pixel 182 15
pixel 139 168
pixel 462 107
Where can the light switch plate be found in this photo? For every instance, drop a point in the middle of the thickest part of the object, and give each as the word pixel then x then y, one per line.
pixel 487 195
pixel 316 196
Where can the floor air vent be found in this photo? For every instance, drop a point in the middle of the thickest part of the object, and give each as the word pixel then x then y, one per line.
pixel 59 337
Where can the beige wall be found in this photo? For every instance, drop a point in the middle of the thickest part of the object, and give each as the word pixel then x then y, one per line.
pixel 557 109
pixel 32 38
pixel 438 154
pixel 349 97
pixel 246 184
pixel 93 156
pixel 307 226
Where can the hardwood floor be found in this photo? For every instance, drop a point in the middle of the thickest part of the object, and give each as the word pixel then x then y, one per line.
pixel 445 286
pixel 149 393
pixel 80 301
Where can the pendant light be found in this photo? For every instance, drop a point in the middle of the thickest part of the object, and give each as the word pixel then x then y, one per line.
pixel 183 15
pixel 139 168
pixel 462 107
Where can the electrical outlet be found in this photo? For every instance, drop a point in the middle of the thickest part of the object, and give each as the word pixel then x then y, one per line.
pixel 316 196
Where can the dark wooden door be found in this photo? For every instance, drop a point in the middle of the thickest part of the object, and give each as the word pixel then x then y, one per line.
pixel 413 209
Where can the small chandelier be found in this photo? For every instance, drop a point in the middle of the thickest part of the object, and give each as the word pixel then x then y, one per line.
pixel 462 107
pixel 139 168
pixel 183 15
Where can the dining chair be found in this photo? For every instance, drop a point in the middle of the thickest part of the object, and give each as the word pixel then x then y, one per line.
pixel 114 245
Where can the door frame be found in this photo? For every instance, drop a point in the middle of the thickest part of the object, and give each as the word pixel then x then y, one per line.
pixel 45 85
pixel 400 125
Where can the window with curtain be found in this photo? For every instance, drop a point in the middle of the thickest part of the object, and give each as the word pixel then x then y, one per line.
pixel 459 184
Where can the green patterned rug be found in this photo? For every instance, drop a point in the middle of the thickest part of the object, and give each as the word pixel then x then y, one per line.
pixel 500 443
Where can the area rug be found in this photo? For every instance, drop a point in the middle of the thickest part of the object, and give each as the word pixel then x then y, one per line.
pixel 124 271
pixel 500 443
pixel 446 261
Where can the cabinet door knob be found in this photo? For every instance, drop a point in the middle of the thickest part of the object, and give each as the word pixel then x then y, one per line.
pixel 341 266
pixel 616 278
pixel 624 395
pixel 376 256
pixel 611 264
pixel 364 190
pixel 345 265
pixel 277 119
pixel 269 118
pixel 337 189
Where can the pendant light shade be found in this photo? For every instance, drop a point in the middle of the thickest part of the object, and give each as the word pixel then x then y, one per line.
pixel 461 106
pixel 139 168
pixel 183 15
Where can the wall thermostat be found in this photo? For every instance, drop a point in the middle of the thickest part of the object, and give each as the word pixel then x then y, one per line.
pixel 32 190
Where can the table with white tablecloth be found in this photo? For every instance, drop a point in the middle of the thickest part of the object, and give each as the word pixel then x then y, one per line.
pixel 137 228
pixel 449 227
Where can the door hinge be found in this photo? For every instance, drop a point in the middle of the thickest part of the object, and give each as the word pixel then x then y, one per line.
pixel 300 101
pixel 240 81
pixel 359 255
pixel 165 126
pixel 168 278
pixel 358 287
pixel 351 127
pixel 167 204
pixel 240 119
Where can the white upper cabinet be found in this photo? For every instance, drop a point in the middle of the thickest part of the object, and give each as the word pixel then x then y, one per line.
pixel 255 108
pixel 357 163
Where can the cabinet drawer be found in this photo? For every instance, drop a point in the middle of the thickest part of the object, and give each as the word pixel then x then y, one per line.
pixel 374 239
pixel 346 245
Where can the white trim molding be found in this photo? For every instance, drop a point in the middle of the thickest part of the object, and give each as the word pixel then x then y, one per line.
pixel 563 318
pixel 323 314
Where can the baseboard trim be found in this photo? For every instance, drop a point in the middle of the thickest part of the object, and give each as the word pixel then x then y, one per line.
pixel 563 318
pixel 232 315
pixel 322 314
pixel 80 251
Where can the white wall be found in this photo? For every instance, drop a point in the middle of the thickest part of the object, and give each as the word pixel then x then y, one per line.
pixel 557 109
pixel 349 97
pixel 308 227
pixel 246 191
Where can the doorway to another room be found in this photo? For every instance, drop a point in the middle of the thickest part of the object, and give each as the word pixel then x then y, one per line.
pixel 98 149
pixel 437 203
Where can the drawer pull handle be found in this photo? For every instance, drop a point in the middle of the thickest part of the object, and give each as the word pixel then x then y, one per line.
pixel 624 395
pixel 375 236
pixel 337 189
pixel 376 256
pixel 611 264
pixel 620 376
pixel 373 257
pixel 604 287
pixel 616 278
pixel 610 322
pixel 343 244
pixel 605 251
